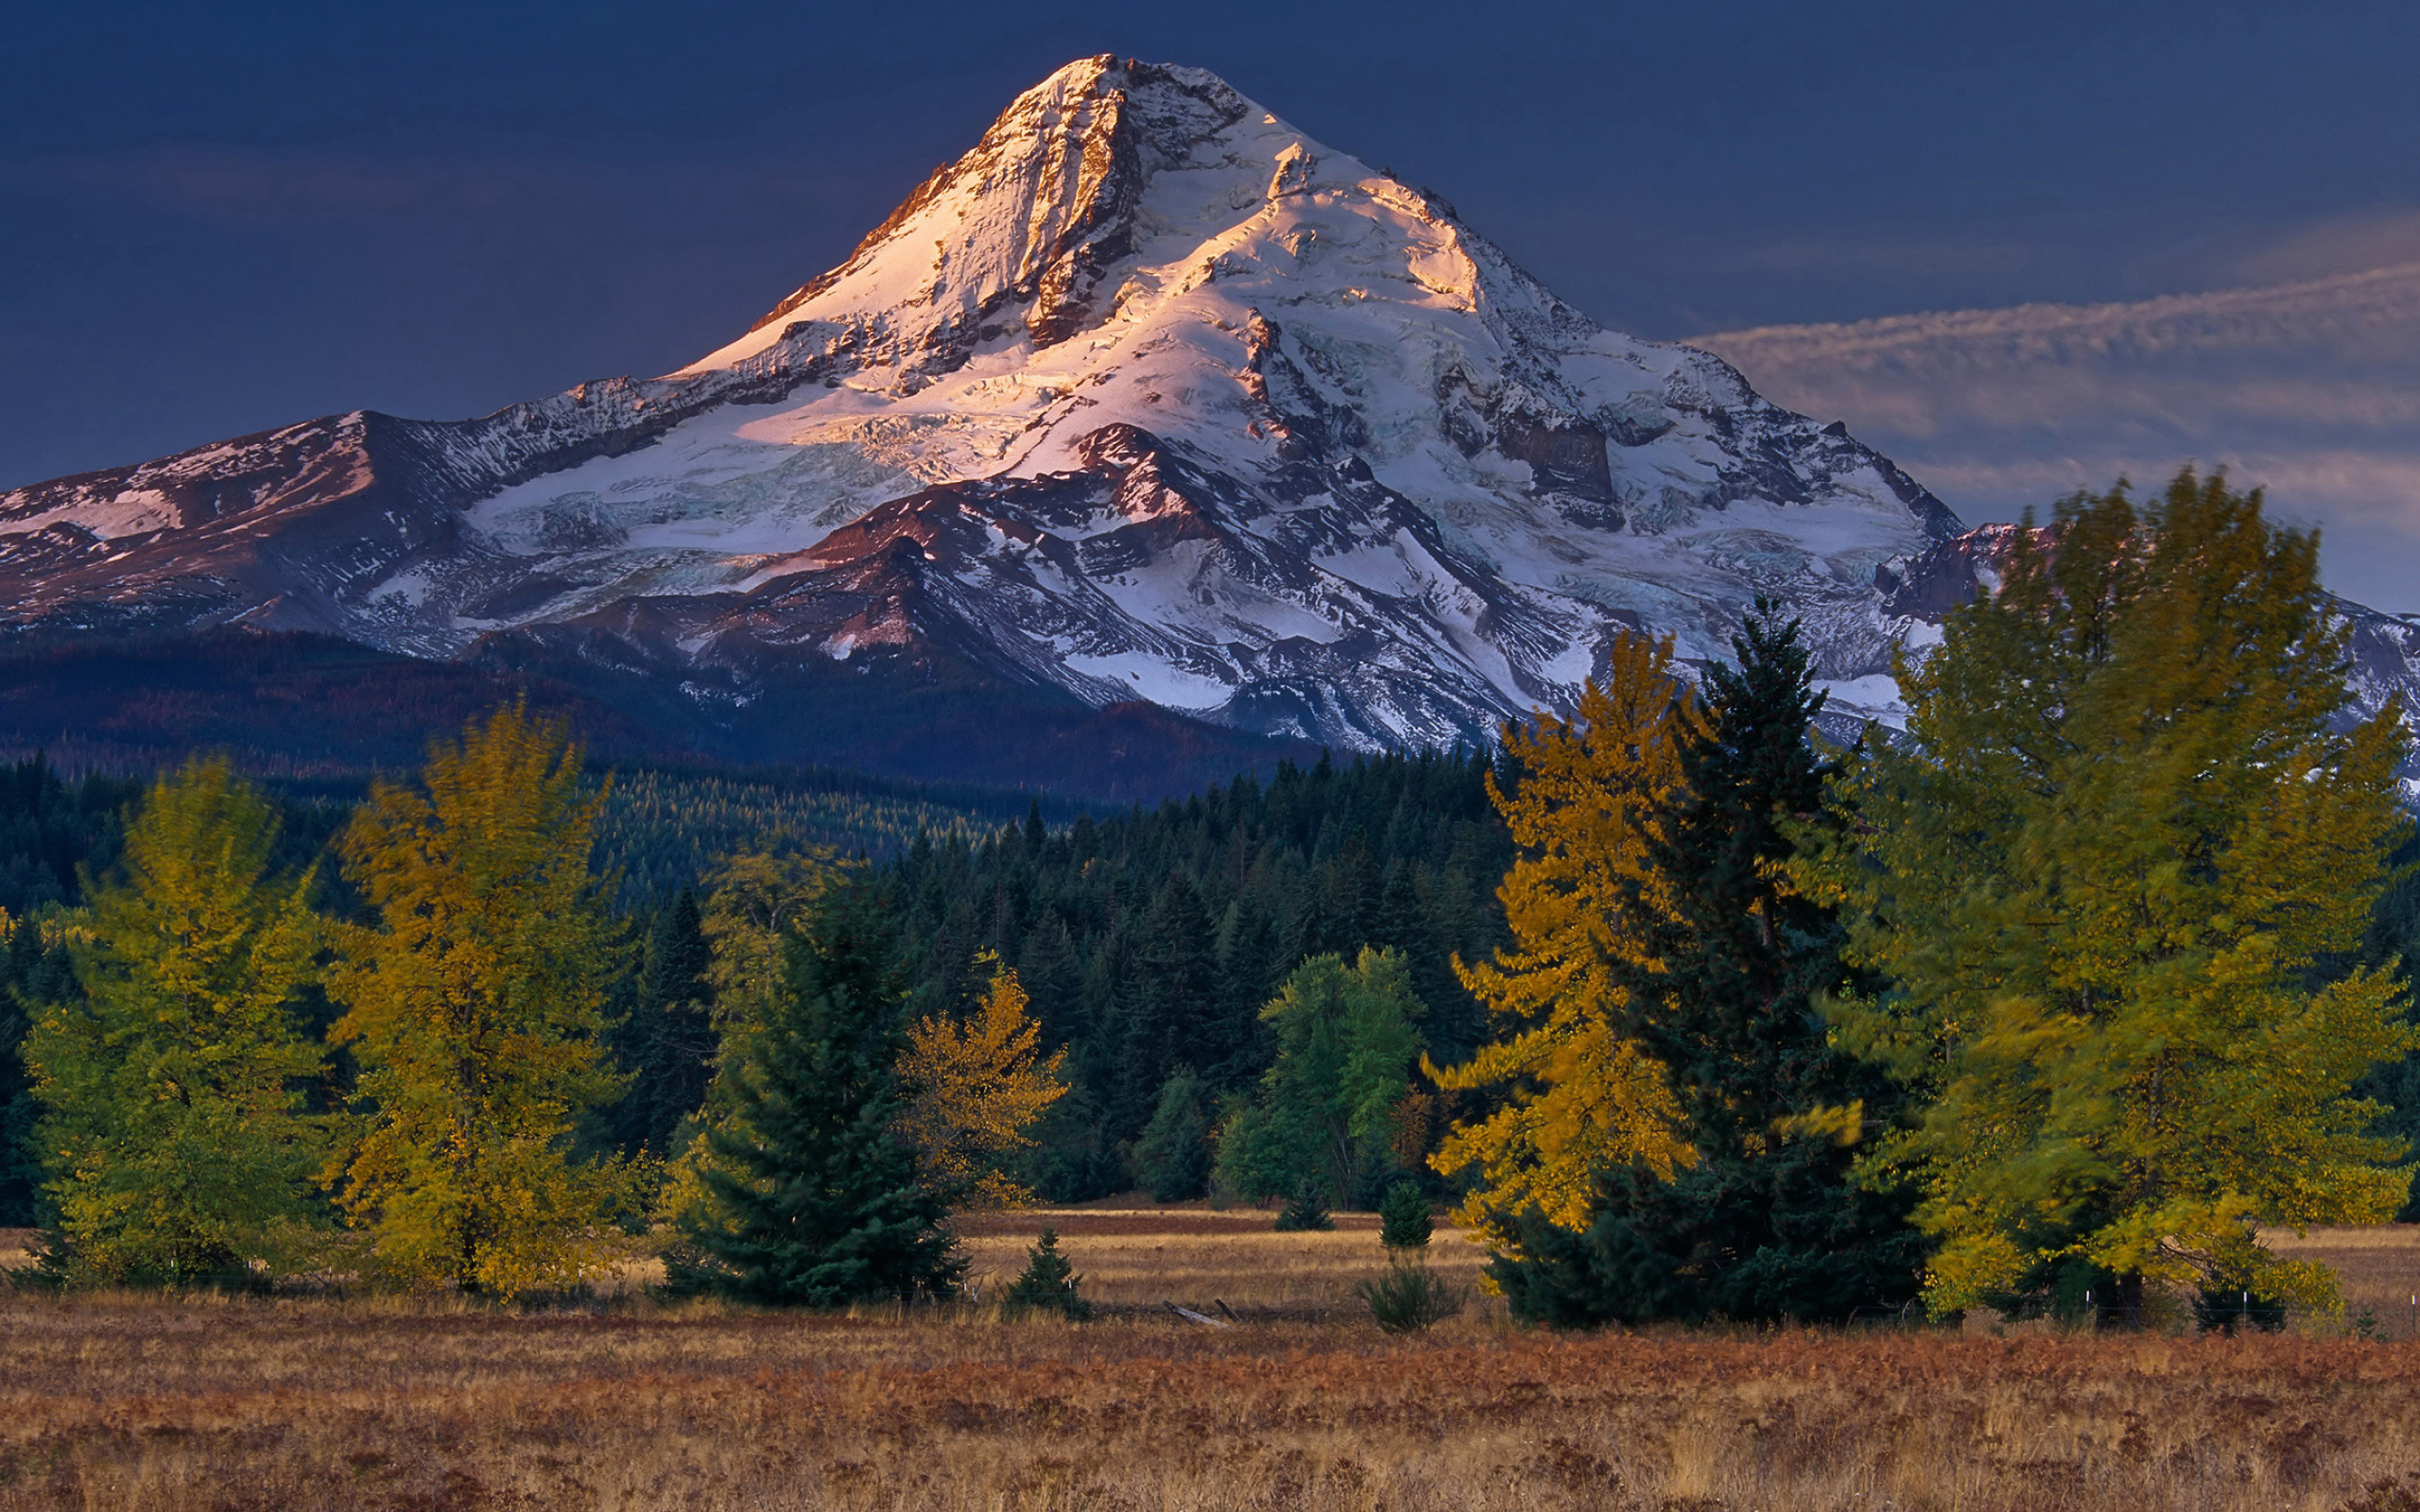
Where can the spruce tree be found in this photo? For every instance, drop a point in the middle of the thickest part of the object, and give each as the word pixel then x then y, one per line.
pixel 814 1200
pixel 1049 1283
pixel 21 989
pixel 1404 1219
pixel 1762 1223
pixel 668 1039
pixel 1175 1016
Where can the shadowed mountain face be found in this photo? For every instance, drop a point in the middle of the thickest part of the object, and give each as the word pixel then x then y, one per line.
pixel 1149 402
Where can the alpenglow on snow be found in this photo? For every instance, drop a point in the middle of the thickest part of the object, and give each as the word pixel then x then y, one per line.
pixel 1147 397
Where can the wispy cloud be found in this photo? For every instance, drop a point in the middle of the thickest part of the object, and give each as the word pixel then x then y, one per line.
pixel 2310 389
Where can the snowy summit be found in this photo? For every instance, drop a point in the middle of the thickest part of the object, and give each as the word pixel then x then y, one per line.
pixel 1147 397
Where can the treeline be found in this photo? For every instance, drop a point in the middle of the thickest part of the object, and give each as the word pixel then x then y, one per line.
pixel 663 828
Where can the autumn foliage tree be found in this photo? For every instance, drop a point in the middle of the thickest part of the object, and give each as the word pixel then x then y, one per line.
pixel 975 1088
pixel 173 1121
pixel 475 1006
pixel 1576 1093
pixel 2107 877
pixel 1722 992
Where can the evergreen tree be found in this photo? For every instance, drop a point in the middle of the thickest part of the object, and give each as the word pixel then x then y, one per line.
pixel 1762 1222
pixel 22 987
pixel 812 1199
pixel 171 1084
pixel 668 1042
pixel 475 1007
pixel 1172 1159
pixel 1074 1159
pixel 1075 910
pixel 1049 967
pixel 1174 1019
pixel 1404 1219
pixel 2133 825
pixel 1049 1283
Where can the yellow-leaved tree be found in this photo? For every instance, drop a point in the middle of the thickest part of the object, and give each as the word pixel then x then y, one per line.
pixel 172 1086
pixel 2113 878
pixel 754 900
pixel 475 1009
pixel 974 1087
pixel 1577 1095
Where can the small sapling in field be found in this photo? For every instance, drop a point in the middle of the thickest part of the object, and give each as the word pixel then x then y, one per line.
pixel 1410 1295
pixel 1306 1213
pixel 1404 1222
pixel 1049 1283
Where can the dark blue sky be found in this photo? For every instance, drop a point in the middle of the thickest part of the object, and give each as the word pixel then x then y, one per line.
pixel 215 219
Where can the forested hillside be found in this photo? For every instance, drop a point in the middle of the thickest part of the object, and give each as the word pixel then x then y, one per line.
pixel 1151 940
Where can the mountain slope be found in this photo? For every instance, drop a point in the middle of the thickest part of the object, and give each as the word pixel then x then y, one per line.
pixel 1147 399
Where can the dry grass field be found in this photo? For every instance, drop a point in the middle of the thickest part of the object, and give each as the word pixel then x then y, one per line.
pixel 246 1405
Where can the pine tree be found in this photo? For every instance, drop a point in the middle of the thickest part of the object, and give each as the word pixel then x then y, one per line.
pixel 172 1082
pixel 1763 1222
pixel 2128 827
pixel 1404 1219
pixel 1047 1283
pixel 475 1009
pixel 812 1199
pixel 668 1039
pixel 21 987
pixel 1174 1016
pixel 1577 1093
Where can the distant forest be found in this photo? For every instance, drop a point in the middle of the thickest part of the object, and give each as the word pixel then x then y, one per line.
pixel 1143 935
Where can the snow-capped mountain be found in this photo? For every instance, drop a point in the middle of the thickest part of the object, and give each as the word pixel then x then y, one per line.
pixel 1149 397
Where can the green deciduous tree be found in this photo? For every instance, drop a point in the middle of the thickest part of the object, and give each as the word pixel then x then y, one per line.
pixel 172 1084
pixel 2131 820
pixel 1172 1159
pixel 475 1006
pixel 1347 1040
pixel 810 1197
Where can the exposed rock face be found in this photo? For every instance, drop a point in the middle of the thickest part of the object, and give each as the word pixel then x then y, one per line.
pixel 1149 397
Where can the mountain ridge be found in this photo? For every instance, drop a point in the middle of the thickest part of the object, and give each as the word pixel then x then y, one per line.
pixel 1148 398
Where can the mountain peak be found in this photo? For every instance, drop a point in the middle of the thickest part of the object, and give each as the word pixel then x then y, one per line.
pixel 1147 396
pixel 1015 233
